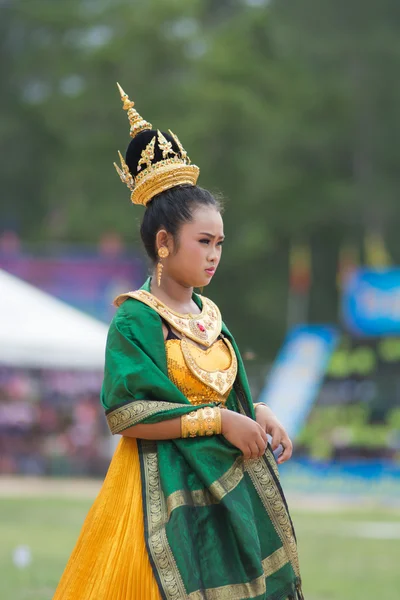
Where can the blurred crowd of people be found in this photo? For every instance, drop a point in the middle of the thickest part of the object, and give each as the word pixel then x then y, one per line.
pixel 52 423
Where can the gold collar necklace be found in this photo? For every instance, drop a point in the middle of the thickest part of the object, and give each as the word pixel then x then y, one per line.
pixel 203 328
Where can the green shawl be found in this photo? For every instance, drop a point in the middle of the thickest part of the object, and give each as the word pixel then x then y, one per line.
pixel 217 527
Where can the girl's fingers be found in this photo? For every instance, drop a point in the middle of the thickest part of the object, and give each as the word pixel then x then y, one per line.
pixel 287 450
pixel 276 438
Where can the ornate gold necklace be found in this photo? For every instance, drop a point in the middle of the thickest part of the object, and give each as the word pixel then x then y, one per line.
pixel 203 328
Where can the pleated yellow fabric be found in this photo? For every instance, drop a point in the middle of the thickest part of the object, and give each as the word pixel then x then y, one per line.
pixel 110 560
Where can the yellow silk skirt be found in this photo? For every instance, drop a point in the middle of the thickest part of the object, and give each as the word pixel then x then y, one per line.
pixel 110 560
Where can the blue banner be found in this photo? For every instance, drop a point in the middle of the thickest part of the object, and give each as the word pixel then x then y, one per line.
pixel 297 374
pixel 371 302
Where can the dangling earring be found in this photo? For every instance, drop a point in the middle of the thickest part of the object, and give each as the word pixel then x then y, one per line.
pixel 163 252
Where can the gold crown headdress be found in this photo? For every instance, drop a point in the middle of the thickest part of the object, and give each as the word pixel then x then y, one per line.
pixel 154 176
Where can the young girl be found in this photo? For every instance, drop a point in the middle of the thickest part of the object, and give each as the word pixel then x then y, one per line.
pixel 191 507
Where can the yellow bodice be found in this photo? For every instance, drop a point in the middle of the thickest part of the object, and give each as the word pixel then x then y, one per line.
pixel 201 375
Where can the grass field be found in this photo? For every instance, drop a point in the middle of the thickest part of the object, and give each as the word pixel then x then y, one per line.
pixel 344 554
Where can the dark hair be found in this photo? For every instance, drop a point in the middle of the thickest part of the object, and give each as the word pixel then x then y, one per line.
pixel 170 209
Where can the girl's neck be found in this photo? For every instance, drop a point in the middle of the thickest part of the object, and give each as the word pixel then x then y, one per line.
pixel 174 295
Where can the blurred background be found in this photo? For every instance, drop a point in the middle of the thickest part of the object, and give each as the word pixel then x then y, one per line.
pixel 292 111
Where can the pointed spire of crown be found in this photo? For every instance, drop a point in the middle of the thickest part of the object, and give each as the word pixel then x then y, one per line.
pixel 137 122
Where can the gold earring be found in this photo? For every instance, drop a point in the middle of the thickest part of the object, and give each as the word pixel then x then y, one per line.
pixel 159 273
pixel 163 252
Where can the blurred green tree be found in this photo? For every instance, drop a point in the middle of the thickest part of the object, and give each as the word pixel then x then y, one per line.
pixel 290 109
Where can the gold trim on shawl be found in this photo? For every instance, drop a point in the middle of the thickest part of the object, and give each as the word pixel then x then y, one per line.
pixel 238 591
pixel 272 501
pixel 229 480
pixel 235 591
pixel 203 328
pixel 156 514
pixel 270 497
pixel 189 498
pixel 130 414
pixel 217 490
pixel 271 459
pixel 275 561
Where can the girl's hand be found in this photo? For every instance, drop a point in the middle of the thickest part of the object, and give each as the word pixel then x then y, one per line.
pixel 270 424
pixel 244 433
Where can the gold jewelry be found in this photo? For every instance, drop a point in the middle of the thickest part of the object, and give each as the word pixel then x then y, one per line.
pixel 218 421
pixel 137 123
pixel 163 252
pixel 202 422
pixel 201 427
pixel 173 169
pixel 190 424
pixel 212 420
pixel 203 328
pixel 147 155
pixel 160 267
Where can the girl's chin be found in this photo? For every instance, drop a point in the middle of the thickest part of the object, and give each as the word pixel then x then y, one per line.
pixel 204 283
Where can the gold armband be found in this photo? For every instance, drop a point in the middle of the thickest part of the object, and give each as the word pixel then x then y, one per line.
pixel 202 422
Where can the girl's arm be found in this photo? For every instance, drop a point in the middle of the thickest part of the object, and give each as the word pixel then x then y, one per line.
pixel 166 430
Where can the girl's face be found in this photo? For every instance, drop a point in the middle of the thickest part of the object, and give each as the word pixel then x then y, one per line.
pixel 194 260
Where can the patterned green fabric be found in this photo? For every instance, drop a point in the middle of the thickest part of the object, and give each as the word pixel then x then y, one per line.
pixel 216 526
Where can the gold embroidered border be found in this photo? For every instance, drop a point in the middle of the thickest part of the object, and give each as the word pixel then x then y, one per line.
pixel 275 561
pixel 156 514
pixel 235 591
pixel 188 498
pixel 238 591
pixel 272 462
pixel 218 489
pixel 275 507
pixel 229 480
pixel 273 503
pixel 130 414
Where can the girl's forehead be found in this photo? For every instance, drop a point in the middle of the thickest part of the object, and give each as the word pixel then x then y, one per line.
pixel 207 219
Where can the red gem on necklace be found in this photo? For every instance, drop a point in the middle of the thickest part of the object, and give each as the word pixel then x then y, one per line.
pixel 201 327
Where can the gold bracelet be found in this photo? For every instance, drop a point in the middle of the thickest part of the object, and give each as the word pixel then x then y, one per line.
pixel 190 424
pixel 218 421
pixel 184 427
pixel 208 420
pixel 212 418
pixel 184 431
pixel 202 422
pixel 200 413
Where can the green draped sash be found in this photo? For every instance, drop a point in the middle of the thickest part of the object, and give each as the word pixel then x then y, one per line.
pixel 217 527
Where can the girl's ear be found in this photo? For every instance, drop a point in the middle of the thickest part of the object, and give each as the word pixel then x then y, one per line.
pixel 161 239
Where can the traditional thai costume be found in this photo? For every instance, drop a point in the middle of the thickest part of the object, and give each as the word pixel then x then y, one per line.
pixel 188 518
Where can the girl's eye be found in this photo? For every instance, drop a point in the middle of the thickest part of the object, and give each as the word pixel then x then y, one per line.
pixel 207 241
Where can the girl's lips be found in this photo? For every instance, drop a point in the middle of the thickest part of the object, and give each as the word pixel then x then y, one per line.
pixel 210 271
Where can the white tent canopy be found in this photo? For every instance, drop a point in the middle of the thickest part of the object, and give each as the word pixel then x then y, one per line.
pixel 38 330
